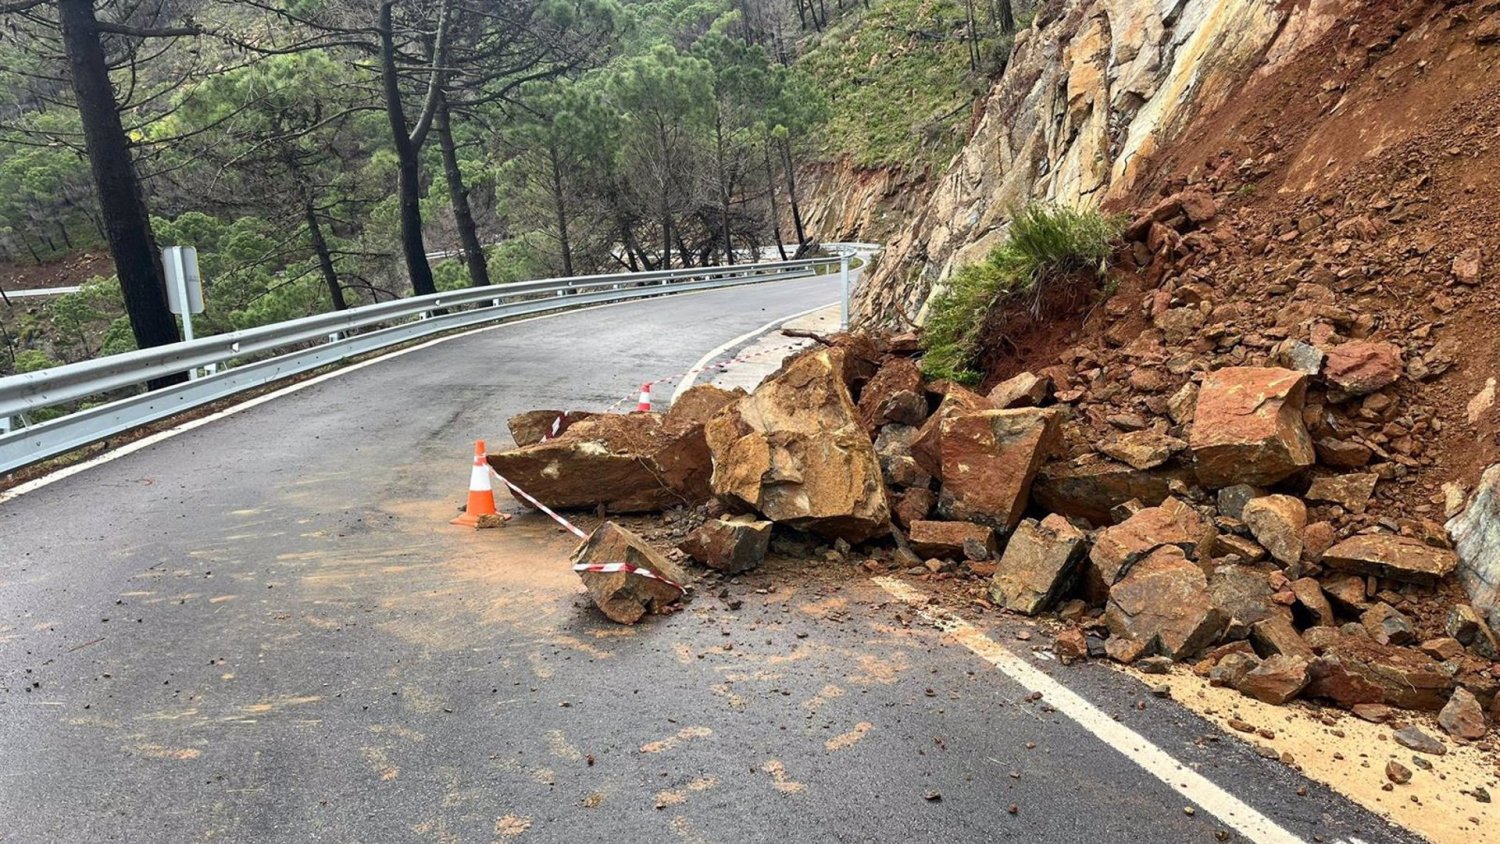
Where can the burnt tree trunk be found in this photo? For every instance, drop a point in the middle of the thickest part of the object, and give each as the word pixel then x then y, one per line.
pixel 775 209
pixel 325 258
pixel 127 225
pixel 458 197
pixel 791 190
pixel 560 206
pixel 408 169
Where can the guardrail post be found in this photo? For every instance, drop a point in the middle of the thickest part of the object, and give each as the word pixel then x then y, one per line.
pixel 6 424
pixel 844 285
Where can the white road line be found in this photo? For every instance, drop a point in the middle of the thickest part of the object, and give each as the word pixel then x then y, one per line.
pixel 686 382
pixel 145 442
pixel 1135 747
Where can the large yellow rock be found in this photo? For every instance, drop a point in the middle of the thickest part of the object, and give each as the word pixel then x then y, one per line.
pixel 797 452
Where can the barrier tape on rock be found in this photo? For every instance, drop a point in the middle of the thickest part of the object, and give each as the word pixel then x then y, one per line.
pixel 610 568
pixel 574 529
pixel 606 568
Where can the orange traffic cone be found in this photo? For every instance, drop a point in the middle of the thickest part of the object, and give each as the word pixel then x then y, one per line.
pixel 644 405
pixel 481 494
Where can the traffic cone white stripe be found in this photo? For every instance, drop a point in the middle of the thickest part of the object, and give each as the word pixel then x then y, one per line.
pixel 644 405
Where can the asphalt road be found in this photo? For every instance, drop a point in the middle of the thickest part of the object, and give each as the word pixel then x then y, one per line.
pixel 264 630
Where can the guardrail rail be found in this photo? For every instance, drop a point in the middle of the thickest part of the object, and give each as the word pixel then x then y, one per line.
pixel 244 360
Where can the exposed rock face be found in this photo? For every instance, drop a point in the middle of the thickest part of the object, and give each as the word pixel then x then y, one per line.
pixel 730 545
pixel 796 451
pixel 946 539
pixel 1041 559
pixel 627 464
pixel 1088 95
pixel 1248 427
pixel 1164 603
pixel 1396 557
pixel 1476 536
pixel 622 595
pixel 534 425
pixel 989 459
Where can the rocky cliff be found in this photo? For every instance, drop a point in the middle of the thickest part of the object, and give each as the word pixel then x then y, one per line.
pixel 848 202
pixel 1094 90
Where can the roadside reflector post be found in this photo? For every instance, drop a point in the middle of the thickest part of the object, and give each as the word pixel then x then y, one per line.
pixel 184 288
pixel 844 285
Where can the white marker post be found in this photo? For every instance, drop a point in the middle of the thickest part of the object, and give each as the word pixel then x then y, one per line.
pixel 184 288
pixel 844 280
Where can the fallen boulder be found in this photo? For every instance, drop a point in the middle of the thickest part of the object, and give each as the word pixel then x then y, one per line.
pixel 1360 367
pixel 989 459
pixel 533 426
pixel 945 540
pixel 1463 717
pixel 625 576
pixel 1248 427
pixel 1244 594
pixel 1476 537
pixel 895 394
pixel 1040 562
pixel 913 506
pixel 1277 679
pixel 1142 449
pixel 732 545
pixel 1164 604
pixel 1024 390
pixel 1276 522
pixel 927 447
pixel 1090 490
pixel 1352 491
pixel 1118 548
pixel 796 451
pixel 624 463
pixel 699 404
pixel 1355 670
pixel 1396 557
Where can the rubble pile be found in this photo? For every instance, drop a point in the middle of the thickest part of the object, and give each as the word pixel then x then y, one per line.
pixel 1205 480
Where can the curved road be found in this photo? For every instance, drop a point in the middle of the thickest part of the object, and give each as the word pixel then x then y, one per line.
pixel 263 630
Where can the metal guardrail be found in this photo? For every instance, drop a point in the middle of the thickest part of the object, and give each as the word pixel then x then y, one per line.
pixel 243 362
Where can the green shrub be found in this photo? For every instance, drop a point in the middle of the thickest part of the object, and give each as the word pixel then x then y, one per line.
pixel 1044 243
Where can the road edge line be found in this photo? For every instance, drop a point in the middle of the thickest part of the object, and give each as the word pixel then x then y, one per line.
pixel 1132 745
pixel 685 383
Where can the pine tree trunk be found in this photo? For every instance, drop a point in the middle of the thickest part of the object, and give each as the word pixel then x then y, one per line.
pixel 771 191
pixel 723 155
pixel 458 197
pixel 791 190
pixel 127 224
pixel 325 258
pixel 408 171
pixel 559 204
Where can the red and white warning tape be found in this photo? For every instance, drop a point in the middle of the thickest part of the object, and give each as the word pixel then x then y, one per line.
pixel 574 529
pixel 578 532
pixel 609 568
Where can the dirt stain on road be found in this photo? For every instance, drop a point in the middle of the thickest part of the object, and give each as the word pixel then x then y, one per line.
pixel 1349 755
pixel 849 739
pixel 684 734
